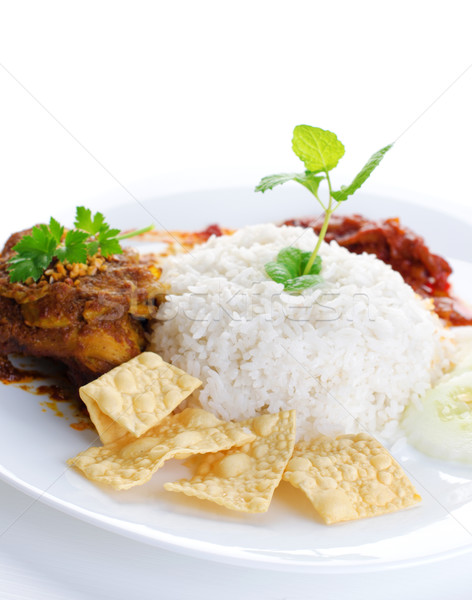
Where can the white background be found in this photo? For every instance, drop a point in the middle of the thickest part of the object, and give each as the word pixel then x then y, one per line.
pixel 204 93
pixel 98 98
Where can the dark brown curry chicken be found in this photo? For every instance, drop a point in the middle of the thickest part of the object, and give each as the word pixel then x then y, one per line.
pixel 91 317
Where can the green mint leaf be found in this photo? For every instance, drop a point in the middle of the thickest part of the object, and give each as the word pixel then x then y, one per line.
pixel 288 269
pixel 311 181
pixel 308 179
pixel 362 176
pixel 319 149
pixel 291 258
pixel 56 230
pixel 85 221
pixel 298 284
pixel 277 271
pixel 269 182
pixel 315 267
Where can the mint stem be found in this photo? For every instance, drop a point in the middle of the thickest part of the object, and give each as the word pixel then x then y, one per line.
pixel 328 212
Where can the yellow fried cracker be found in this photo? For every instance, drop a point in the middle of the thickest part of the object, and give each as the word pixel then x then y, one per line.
pixel 130 461
pixel 108 430
pixel 349 477
pixel 245 478
pixel 135 396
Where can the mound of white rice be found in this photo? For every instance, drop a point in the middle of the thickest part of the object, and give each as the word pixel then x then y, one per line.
pixel 347 355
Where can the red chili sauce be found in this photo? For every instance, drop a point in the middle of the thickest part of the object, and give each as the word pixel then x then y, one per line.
pixel 213 229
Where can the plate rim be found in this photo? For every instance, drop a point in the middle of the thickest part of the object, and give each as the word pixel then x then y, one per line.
pixel 213 552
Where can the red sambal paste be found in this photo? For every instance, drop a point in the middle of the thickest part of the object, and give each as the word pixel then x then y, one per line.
pixel 427 273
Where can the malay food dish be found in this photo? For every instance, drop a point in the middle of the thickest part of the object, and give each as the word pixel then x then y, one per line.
pixel 342 358
pixel 228 348
pixel 272 352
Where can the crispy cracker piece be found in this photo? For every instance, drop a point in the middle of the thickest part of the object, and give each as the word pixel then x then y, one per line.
pixel 130 461
pixel 135 396
pixel 349 477
pixel 245 478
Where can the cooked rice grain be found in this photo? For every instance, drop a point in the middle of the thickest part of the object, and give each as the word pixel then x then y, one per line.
pixel 347 355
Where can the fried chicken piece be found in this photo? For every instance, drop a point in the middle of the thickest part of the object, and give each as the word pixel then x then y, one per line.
pixel 91 318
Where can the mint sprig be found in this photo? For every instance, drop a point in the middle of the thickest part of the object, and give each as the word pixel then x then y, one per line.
pixel 362 176
pixel 289 267
pixel 320 151
pixel 35 252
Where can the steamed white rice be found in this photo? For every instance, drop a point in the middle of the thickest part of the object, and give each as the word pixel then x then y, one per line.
pixel 347 355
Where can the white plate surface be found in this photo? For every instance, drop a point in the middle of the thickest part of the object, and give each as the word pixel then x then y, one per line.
pixel 35 445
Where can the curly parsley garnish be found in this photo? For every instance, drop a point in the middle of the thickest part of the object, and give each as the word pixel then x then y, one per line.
pixel 320 150
pixel 35 252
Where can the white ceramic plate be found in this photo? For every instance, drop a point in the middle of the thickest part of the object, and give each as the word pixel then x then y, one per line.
pixel 34 445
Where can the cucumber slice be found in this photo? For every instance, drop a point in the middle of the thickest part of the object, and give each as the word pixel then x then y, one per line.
pixel 462 337
pixel 441 424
